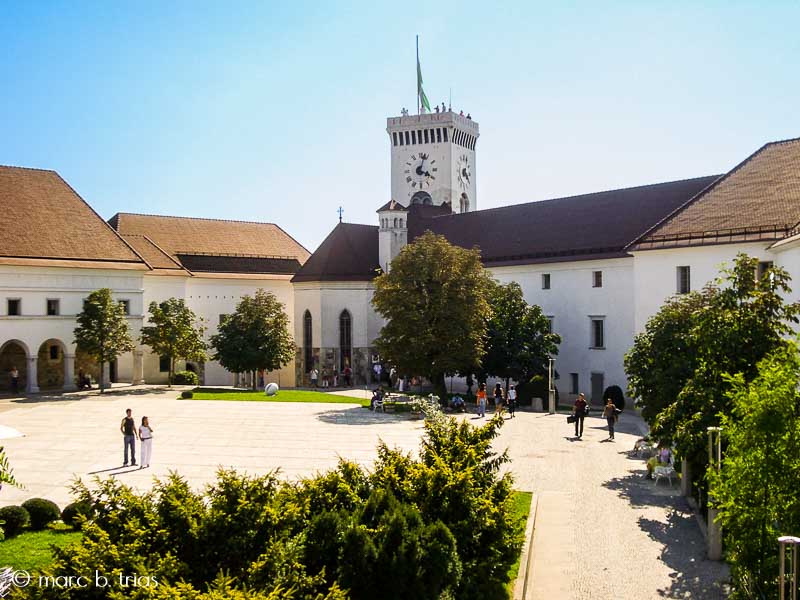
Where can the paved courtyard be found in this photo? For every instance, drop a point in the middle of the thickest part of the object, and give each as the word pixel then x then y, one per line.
pixel 602 530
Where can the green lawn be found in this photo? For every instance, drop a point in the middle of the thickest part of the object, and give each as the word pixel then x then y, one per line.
pixel 31 550
pixel 522 504
pixel 281 396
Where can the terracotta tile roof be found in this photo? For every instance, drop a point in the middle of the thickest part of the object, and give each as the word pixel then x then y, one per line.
pixel 590 226
pixel 155 257
pixel 349 253
pixel 391 205
pixel 191 236
pixel 757 200
pixel 43 217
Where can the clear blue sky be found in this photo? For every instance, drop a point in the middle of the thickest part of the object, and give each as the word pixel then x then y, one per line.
pixel 276 112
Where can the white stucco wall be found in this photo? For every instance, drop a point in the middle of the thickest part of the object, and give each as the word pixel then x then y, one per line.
pixel 572 301
pixel 655 272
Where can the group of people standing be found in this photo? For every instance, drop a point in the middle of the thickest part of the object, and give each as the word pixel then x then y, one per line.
pixel 502 399
pixel 130 434
pixel 344 378
pixel 581 408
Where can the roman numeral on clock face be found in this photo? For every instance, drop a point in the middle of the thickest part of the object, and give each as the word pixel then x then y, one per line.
pixel 408 179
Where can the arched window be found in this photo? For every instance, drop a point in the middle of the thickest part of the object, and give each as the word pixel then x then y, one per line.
pixel 423 198
pixel 395 221
pixel 401 223
pixel 464 203
pixel 345 340
pixel 308 342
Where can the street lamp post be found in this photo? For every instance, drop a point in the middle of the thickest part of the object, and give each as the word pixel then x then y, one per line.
pixel 714 461
pixel 788 574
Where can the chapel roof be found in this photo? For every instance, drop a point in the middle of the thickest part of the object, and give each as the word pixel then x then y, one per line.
pixel 211 245
pixel 349 253
pixel 584 227
pixel 759 199
pixel 392 205
pixel 44 219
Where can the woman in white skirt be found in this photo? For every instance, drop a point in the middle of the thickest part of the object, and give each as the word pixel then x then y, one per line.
pixel 146 435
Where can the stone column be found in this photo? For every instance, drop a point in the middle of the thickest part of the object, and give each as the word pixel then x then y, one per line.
pixel 714 536
pixel 138 367
pixel 686 479
pixel 33 384
pixel 106 375
pixel 69 373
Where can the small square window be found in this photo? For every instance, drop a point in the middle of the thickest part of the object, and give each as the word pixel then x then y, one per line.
pixel 545 281
pixel 53 307
pixel 597 279
pixel 163 364
pixel 684 280
pixel 598 333
pixel 53 352
pixel 14 307
pixel 573 383
pixel 126 306
pixel 549 324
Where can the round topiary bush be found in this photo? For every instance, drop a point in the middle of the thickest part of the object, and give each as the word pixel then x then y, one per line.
pixel 42 512
pixel 185 378
pixel 187 394
pixel 15 519
pixel 72 511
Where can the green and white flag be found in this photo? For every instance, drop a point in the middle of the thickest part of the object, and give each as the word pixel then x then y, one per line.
pixel 424 105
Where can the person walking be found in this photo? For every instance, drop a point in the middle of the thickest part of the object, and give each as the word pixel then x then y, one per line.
pixel 129 435
pixel 610 413
pixel 481 400
pixel 146 436
pixel 314 377
pixel 579 412
pixel 512 400
pixel 14 380
pixel 498 398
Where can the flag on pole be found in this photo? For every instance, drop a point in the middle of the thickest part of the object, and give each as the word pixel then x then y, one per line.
pixel 423 104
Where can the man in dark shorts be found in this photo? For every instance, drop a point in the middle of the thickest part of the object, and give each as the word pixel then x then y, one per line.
pixel 128 429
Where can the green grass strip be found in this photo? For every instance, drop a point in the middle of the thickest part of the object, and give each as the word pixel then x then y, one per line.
pixel 281 396
pixel 32 550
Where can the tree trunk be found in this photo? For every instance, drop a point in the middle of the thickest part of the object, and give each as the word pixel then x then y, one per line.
pixel 439 385
pixel 171 370
pixel 100 379
pixel 255 381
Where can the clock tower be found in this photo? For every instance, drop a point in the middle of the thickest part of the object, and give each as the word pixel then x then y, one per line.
pixel 433 160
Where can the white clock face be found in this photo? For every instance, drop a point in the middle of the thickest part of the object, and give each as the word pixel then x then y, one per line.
pixel 420 171
pixel 464 171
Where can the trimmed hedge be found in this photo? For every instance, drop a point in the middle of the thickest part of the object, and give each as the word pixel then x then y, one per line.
pixel 42 512
pixel 187 394
pixel 15 519
pixel 185 378
pixel 74 510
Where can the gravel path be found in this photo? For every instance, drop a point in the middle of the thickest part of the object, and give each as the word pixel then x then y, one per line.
pixel 603 531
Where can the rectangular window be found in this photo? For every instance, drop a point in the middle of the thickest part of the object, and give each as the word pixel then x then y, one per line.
pixel 684 280
pixel 444 133
pixel 53 352
pixel 126 306
pixel 426 136
pixel 598 335
pixel 438 135
pixel 419 136
pixel 545 281
pixel 573 383
pixel 163 364
pixel 14 307
pixel 413 137
pixel 763 267
pixel 53 306
pixel 394 137
pixel 549 324
pixel 597 279
pixel 407 142
pixel 401 138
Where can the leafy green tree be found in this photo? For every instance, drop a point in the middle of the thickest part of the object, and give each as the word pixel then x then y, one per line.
pixel 435 304
pixel 518 339
pixel 756 491
pixel 746 318
pixel 254 337
pixel 174 331
pixel 102 330
pixel 663 357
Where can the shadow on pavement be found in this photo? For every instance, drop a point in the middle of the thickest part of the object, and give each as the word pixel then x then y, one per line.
pixel 639 491
pixel 358 415
pixel 684 550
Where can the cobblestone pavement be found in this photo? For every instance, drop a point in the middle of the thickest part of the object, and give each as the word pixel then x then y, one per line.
pixel 602 530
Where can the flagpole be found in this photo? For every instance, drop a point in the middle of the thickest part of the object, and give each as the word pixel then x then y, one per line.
pixel 417 74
